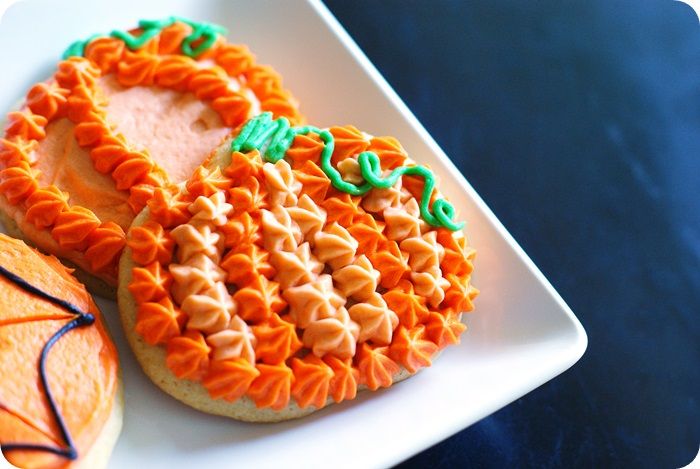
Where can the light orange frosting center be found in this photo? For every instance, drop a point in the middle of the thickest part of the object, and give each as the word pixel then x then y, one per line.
pixel 63 163
pixel 178 129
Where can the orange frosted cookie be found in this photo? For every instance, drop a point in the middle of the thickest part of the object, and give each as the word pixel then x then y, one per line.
pixel 123 114
pixel 299 266
pixel 59 402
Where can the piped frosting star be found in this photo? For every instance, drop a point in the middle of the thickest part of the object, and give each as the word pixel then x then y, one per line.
pixel 149 242
pixel 282 186
pixel 313 301
pixel 236 341
pixel 400 224
pixel 308 216
pixel 295 268
pixel 212 209
pixel 209 311
pixel 335 246
pixel 377 200
pixel 377 322
pixel 357 280
pixel 336 336
pixel 280 233
pixel 193 240
pixel 431 286
pixel 424 253
pixel 276 340
pixel 198 274
pixel 150 283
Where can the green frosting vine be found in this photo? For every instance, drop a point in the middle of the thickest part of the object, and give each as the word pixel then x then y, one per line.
pixel 150 28
pixel 274 137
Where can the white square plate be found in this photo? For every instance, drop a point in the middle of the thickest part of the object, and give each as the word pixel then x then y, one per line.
pixel 521 335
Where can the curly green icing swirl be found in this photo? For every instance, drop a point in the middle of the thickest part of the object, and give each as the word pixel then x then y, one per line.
pixel 150 28
pixel 274 137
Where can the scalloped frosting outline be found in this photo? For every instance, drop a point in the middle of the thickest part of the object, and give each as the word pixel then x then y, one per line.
pixel 77 228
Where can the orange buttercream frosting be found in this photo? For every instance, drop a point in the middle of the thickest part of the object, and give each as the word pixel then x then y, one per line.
pixel 291 290
pixel 100 138
pixel 81 367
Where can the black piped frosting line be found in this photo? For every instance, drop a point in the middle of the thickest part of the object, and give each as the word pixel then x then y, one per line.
pixel 82 319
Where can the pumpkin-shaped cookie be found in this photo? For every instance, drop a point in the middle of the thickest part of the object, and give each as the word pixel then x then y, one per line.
pixel 124 113
pixel 59 402
pixel 298 266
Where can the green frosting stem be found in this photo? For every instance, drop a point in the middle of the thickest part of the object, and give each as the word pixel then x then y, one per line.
pixel 200 30
pixel 78 47
pixel 274 137
pixel 135 42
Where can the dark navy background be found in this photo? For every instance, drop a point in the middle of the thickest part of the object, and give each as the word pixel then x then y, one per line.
pixel 579 124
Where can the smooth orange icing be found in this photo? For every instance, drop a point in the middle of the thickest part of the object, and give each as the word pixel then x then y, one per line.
pixel 109 129
pixel 81 368
pixel 294 291
pixel 178 130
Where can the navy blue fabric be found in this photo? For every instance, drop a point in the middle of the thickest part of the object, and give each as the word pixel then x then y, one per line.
pixel 579 124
